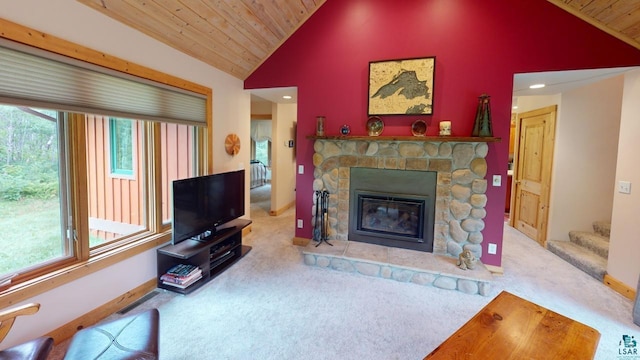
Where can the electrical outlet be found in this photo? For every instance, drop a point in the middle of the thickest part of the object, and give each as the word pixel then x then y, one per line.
pixel 624 187
pixel 497 180
pixel 492 249
pixel 301 169
pixel 299 223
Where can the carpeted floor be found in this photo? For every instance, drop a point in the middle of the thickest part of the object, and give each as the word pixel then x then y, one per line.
pixel 270 305
pixel 260 201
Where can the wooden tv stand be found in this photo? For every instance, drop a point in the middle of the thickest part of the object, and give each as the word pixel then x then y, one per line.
pixel 213 256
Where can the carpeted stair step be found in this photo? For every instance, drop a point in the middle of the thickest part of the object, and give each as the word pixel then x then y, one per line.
pixel 578 256
pixel 602 228
pixel 591 241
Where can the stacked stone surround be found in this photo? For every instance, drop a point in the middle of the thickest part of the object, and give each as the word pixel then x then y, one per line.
pixel 461 185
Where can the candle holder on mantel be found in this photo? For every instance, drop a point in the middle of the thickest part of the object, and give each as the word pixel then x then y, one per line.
pixel 445 128
pixel 320 125
pixel 482 126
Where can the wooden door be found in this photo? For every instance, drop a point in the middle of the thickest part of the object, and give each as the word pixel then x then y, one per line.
pixel 512 134
pixel 532 172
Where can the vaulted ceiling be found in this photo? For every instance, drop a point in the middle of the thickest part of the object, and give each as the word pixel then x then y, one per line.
pixel 236 36
pixel 620 18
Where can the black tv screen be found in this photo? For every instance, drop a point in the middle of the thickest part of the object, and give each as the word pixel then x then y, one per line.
pixel 203 204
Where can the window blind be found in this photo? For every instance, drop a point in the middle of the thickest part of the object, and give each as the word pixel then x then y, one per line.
pixel 34 77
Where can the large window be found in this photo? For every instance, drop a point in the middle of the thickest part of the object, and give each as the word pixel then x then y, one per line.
pixel 33 186
pixel 261 141
pixel 263 152
pixel 78 191
pixel 179 145
pixel 31 200
pixel 116 184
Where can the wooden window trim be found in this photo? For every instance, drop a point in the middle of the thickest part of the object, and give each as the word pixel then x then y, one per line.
pixel 84 265
pixel 78 269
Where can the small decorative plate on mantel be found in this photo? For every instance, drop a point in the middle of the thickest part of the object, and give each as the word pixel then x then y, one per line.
pixel 375 126
pixel 419 128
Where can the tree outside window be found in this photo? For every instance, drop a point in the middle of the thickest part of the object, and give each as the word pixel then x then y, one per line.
pixel 263 152
pixel 30 189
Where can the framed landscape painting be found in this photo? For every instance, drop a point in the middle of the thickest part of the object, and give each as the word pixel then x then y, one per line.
pixel 401 87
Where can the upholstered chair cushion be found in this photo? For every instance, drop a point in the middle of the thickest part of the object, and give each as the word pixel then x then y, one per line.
pixel 130 337
pixel 36 349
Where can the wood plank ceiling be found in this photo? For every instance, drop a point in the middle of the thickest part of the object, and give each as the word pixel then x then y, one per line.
pixel 236 36
pixel 620 18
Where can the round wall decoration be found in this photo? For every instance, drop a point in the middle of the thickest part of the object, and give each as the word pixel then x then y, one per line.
pixel 232 144
pixel 419 128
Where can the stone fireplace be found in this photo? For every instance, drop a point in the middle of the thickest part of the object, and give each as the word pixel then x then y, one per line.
pixel 455 208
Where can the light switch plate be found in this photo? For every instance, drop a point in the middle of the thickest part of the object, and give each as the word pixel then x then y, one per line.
pixel 299 223
pixel 492 249
pixel 497 180
pixel 624 187
pixel 301 169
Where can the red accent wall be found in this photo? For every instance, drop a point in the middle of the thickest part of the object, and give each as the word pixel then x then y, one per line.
pixel 478 45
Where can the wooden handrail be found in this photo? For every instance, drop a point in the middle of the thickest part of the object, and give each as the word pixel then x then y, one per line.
pixel 8 316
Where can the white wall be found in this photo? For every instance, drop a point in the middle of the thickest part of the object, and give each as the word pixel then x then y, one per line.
pixel 75 22
pixel 624 248
pixel 584 162
pixel 529 103
pixel 283 182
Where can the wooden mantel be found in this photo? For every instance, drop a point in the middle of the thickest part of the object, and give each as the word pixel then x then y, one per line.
pixel 409 138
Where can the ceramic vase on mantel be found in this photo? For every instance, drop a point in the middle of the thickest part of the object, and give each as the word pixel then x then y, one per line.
pixel 482 126
pixel 320 125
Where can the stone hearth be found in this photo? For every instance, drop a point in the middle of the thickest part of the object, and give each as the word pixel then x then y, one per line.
pixel 403 265
pixel 461 185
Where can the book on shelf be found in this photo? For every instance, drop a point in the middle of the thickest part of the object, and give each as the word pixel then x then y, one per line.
pixel 184 285
pixel 182 270
pixel 181 279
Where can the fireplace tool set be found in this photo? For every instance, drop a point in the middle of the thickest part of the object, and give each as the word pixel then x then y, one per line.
pixel 321 217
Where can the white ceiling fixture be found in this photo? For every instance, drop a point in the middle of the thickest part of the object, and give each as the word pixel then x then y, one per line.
pixel 283 95
pixel 558 82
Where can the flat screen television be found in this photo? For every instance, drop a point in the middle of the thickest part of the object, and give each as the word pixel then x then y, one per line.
pixel 202 205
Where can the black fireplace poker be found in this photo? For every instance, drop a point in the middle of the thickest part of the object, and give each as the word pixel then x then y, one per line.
pixel 320 233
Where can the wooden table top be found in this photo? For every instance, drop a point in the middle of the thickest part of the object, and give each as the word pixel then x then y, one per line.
pixel 510 327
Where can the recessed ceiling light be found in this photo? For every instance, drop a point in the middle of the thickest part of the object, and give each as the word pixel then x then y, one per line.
pixel 287 97
pixel 536 86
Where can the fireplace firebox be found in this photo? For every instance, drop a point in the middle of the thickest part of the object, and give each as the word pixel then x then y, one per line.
pixel 399 217
pixel 392 207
